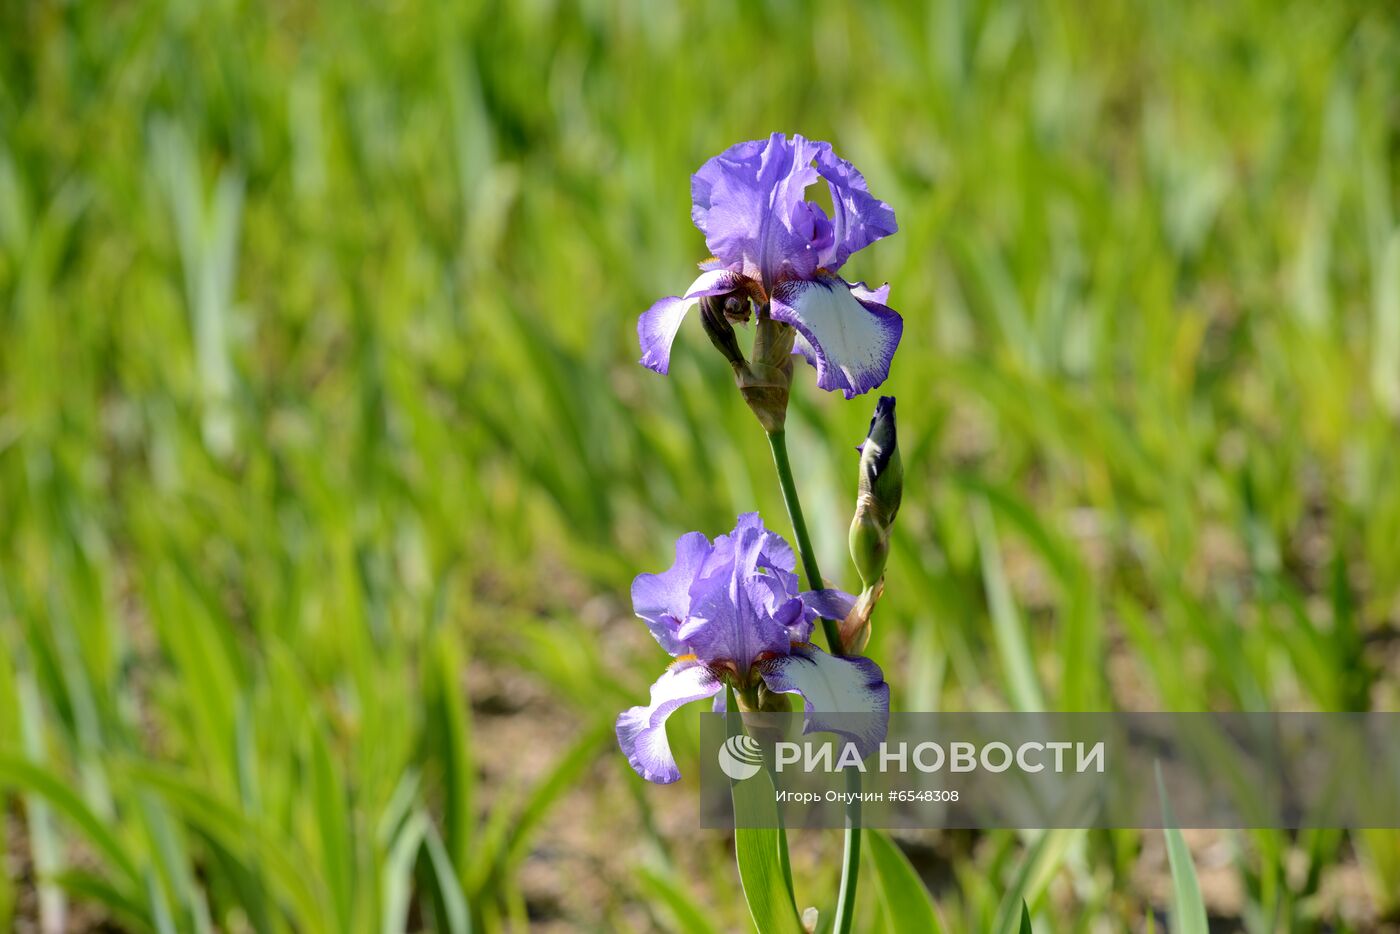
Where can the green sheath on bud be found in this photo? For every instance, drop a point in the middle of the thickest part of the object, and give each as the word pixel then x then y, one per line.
pixel 765 382
pixel 881 486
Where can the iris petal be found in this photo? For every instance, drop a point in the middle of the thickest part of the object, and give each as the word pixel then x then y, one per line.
pixel 829 603
pixel 748 202
pixel 663 600
pixel 847 333
pixel 843 695
pixel 858 217
pixel 641 731
pixel 657 327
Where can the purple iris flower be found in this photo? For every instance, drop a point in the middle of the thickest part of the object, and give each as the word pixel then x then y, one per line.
pixel 776 248
pixel 731 609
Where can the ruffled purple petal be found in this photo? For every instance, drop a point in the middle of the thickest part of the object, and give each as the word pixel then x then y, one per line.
pixel 775 577
pixel 748 202
pixel 858 218
pixel 731 618
pixel 663 600
pixel 641 731
pixel 775 554
pixel 657 326
pixel 830 684
pixel 774 550
pixel 847 334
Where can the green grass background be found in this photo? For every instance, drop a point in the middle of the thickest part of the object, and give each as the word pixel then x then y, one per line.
pixel 319 405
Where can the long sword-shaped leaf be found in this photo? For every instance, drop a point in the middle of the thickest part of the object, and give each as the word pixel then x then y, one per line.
pixel 758 847
pixel 908 905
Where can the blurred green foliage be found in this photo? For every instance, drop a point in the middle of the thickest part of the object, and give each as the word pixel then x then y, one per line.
pixel 318 395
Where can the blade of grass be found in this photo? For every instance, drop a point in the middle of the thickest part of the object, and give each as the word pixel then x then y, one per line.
pixel 685 912
pixel 1188 909
pixel 1012 644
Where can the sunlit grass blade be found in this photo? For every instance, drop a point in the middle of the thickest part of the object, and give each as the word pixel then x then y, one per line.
pixel 671 895
pixel 44 841
pixel 448 739
pixel 1013 644
pixel 441 881
pixel 396 877
pixel 243 840
pixel 96 889
pixel 1188 909
pixel 333 809
pixel 33 780
pixel 1031 876
pixel 1385 343
pixel 503 842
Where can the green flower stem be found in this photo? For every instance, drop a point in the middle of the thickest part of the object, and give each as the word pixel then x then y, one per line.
pixel 850 858
pixel 777 440
pixel 850 863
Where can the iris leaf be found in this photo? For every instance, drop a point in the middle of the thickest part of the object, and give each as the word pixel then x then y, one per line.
pixel 759 848
pixel 908 905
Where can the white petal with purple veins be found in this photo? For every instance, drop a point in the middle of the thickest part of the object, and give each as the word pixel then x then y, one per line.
pixel 829 685
pixel 848 335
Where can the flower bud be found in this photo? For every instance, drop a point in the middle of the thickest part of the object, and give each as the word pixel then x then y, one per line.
pixel 715 316
pixel 880 489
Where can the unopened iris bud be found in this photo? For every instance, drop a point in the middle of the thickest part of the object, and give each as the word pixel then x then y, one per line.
pixel 881 487
pixel 715 315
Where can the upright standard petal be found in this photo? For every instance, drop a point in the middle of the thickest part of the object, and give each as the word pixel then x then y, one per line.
pixel 748 202
pixel 858 217
pixel 843 695
pixel 657 326
pixel 847 331
pixel 641 731
pixel 775 557
pixel 663 600
pixel 732 618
